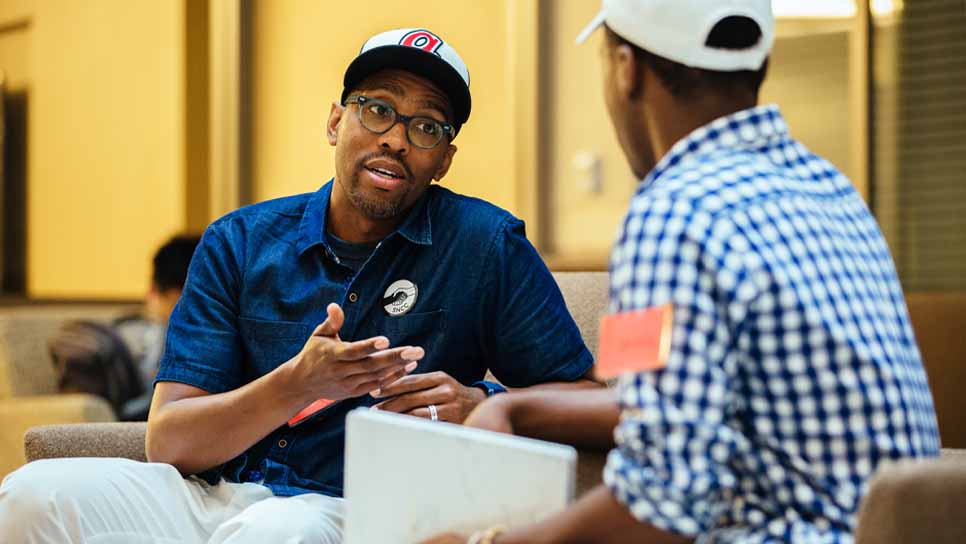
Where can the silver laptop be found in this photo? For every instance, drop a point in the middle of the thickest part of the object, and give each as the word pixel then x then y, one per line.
pixel 407 479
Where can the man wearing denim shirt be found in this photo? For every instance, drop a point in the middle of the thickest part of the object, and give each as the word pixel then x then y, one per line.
pixel 419 292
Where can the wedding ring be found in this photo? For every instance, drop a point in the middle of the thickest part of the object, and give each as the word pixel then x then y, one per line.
pixel 433 413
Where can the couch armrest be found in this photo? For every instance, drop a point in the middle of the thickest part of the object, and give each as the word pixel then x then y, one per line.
pixel 916 501
pixel 87 440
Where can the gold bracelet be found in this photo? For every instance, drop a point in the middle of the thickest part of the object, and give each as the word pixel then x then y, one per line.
pixel 486 536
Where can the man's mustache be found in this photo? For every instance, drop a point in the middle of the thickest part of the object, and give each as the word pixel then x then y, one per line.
pixel 388 155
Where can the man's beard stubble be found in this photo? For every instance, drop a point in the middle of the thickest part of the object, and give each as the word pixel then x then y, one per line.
pixel 375 208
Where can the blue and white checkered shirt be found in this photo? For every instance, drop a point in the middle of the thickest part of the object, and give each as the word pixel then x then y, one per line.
pixel 793 370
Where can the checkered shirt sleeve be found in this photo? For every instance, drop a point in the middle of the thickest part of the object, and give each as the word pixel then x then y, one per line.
pixel 793 371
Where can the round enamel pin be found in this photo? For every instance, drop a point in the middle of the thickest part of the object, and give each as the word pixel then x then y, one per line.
pixel 400 297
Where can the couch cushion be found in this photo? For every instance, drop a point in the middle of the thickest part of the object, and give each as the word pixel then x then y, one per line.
pixel 916 501
pixel 586 297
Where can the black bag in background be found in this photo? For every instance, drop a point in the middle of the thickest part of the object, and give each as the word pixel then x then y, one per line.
pixel 90 357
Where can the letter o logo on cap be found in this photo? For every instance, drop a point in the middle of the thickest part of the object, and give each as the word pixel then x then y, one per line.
pixel 422 39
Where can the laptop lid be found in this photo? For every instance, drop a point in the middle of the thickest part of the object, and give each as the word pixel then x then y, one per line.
pixel 407 478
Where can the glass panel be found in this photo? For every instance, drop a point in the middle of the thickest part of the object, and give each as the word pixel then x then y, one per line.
pixel 809 79
pixel 919 138
pixel 587 179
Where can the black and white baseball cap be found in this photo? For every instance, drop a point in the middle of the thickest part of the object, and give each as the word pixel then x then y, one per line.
pixel 678 29
pixel 421 52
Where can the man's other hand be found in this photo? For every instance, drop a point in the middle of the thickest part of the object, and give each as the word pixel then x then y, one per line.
pixel 413 395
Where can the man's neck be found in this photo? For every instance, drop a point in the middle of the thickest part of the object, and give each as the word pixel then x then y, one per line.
pixel 670 120
pixel 349 223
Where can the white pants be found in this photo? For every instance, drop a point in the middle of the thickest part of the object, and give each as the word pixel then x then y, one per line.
pixel 107 501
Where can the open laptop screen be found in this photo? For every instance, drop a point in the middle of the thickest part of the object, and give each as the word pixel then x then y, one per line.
pixel 407 478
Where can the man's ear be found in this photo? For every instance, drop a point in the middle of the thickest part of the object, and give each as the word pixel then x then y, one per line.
pixel 627 73
pixel 447 161
pixel 332 126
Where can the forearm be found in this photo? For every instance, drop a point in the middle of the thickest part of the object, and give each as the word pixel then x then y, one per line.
pixel 583 417
pixel 597 518
pixel 199 432
pixel 583 383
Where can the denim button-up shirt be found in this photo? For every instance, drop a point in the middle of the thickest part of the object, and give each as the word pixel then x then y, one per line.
pixel 263 275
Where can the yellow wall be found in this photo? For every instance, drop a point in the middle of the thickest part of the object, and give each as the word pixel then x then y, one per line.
pixel 15 10
pixel 583 222
pixel 115 165
pixel 118 133
pixel 14 53
pixel 809 77
pixel 105 174
pixel 300 51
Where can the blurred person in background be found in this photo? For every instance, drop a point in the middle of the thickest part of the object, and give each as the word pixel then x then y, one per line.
pixel 300 309
pixel 170 272
pixel 793 370
pixel 118 361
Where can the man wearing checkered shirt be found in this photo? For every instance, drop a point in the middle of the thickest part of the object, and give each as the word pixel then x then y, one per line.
pixel 793 371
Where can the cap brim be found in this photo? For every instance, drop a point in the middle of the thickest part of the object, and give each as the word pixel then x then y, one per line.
pixel 595 23
pixel 419 62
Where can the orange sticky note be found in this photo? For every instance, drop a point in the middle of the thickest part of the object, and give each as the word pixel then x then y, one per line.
pixel 309 410
pixel 634 341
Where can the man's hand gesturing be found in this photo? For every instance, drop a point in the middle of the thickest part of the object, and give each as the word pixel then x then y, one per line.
pixel 329 368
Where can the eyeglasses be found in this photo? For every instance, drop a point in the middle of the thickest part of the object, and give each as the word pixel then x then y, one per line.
pixel 378 117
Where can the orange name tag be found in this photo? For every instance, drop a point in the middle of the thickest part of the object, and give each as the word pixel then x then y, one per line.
pixel 309 410
pixel 634 341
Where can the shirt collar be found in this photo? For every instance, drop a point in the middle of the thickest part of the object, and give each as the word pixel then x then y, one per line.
pixel 746 129
pixel 416 227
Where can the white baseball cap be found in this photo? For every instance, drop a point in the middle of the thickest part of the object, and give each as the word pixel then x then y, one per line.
pixel 419 51
pixel 678 29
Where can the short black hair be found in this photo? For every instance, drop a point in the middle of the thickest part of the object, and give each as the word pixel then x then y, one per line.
pixel 171 262
pixel 682 81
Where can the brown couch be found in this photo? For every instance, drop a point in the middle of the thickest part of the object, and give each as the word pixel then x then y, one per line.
pixel 912 502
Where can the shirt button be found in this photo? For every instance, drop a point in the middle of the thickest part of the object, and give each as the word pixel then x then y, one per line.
pixel 254 475
pixel 353 297
pixel 282 443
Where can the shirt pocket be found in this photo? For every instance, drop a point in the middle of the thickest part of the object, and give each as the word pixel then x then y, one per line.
pixel 426 330
pixel 268 344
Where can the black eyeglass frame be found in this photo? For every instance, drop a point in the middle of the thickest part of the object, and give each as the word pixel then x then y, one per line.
pixel 362 100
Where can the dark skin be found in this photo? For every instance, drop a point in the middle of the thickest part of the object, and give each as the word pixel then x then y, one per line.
pixel 361 208
pixel 648 120
pixel 365 206
pixel 584 419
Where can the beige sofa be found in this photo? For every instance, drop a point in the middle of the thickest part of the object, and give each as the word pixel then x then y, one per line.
pixel 27 383
pixel 914 502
